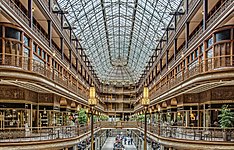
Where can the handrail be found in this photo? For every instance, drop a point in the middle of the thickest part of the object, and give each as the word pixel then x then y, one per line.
pixel 18 11
pixel 38 67
pixel 58 132
pixel 202 66
pixel 43 133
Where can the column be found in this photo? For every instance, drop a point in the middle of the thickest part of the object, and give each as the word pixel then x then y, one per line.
pixel 205 13
pixel 160 66
pixel 30 14
pixel 50 32
pixel 50 5
pixel 62 16
pixel 186 34
pixel 204 115
pixel 3 45
pixel 186 118
pixel 30 64
pixel 70 53
pixel 70 35
pixel 186 6
pixel 167 35
pixel 175 22
pixel 77 70
pixel 62 47
pixel 175 48
pixel 167 59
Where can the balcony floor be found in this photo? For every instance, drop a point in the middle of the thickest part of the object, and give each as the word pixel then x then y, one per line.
pixel 110 142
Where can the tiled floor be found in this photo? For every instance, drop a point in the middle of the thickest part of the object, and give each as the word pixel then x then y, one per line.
pixel 110 142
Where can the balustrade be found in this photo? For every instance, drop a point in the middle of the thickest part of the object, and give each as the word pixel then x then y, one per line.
pixel 18 12
pixel 215 63
pixel 39 67
pixel 168 131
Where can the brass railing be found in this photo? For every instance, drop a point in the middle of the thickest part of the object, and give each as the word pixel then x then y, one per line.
pixel 202 66
pixel 223 7
pixel 190 133
pixel 40 35
pixel 43 133
pixel 41 68
pixel 162 130
pixel 17 10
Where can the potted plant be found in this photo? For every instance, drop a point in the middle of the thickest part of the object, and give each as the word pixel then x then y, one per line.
pixel 82 117
pixel 226 121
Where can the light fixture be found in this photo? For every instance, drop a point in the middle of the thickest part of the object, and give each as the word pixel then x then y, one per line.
pixel 73 105
pixel 164 105
pixel 63 101
pixel 92 99
pixel 150 110
pixel 159 108
pixel 173 102
pixel 145 100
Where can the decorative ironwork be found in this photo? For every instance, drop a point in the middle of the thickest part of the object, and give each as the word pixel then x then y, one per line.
pixel 119 36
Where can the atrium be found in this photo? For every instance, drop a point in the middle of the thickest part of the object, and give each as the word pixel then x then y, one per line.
pixel 116 74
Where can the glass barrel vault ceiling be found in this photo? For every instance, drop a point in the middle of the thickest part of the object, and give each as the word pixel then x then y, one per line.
pixel 119 36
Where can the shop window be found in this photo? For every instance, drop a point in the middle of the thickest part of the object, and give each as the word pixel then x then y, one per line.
pixel 222 35
pixel 26 52
pixel 209 53
pixel 209 42
pixel 12 33
pixel 34 47
pixel 188 59
pixel 39 51
pixel 26 41
pixel 37 59
pixel 192 56
pixel 47 58
pixel 201 49
pixel 43 54
pixel 196 53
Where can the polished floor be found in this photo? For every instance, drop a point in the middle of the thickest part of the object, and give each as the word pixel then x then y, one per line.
pixel 110 142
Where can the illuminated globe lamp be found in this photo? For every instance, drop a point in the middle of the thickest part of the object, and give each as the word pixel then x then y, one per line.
pixel 145 100
pixel 92 101
pixel 92 97
pixel 145 103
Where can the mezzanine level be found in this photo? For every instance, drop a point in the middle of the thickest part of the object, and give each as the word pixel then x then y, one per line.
pixel 176 136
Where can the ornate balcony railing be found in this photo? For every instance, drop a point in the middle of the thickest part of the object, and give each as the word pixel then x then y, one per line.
pixel 190 133
pixel 18 12
pixel 212 134
pixel 41 68
pixel 202 66
pixel 43 133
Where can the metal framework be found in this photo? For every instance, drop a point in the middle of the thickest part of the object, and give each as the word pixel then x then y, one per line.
pixel 119 36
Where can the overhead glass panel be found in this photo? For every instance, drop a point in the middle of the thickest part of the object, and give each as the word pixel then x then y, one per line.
pixel 119 35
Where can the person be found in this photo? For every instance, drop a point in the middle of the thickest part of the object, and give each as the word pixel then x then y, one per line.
pixel 131 141
pixel 216 124
pixel 125 140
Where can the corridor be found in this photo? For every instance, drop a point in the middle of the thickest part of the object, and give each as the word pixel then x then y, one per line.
pixel 110 142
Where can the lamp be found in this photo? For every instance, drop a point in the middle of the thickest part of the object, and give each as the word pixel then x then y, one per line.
pixel 145 102
pixel 73 105
pixel 92 101
pixel 63 101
